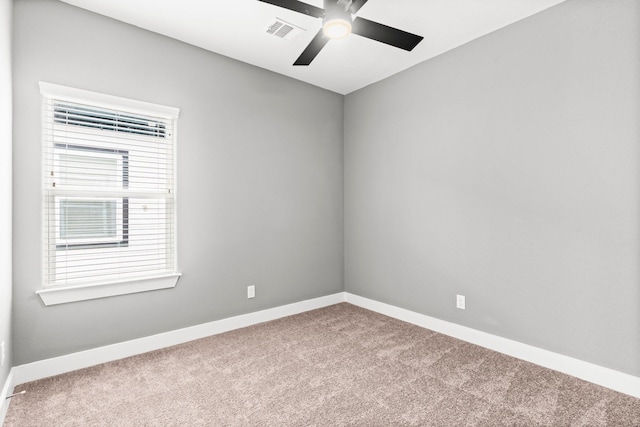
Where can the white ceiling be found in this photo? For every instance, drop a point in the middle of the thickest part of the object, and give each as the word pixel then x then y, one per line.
pixel 237 29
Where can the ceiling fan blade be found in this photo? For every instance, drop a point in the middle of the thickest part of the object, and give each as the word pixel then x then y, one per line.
pixel 382 33
pixel 356 5
pixel 297 6
pixel 312 49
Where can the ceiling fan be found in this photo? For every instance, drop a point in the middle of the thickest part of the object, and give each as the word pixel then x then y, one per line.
pixel 337 23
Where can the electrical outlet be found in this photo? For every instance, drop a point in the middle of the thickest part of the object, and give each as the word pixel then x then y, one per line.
pixel 3 354
pixel 460 302
pixel 251 291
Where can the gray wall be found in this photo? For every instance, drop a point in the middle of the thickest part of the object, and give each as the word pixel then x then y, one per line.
pixel 259 179
pixel 5 185
pixel 508 170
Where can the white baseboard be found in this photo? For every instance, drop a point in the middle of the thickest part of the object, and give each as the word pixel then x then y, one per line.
pixel 606 377
pixel 596 374
pixel 7 389
pixel 71 362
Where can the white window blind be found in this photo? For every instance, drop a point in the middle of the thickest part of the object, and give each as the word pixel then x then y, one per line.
pixel 108 189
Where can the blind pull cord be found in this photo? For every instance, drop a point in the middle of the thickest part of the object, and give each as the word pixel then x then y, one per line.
pixel 16 394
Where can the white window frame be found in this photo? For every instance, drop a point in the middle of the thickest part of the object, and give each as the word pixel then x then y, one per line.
pixel 52 295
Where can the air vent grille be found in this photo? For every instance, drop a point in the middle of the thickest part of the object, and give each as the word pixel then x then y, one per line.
pixel 284 30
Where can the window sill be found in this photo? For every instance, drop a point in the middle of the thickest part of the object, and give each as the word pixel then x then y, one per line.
pixel 62 295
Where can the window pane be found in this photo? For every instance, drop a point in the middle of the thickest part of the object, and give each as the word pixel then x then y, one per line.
pixel 85 166
pixel 88 219
pixel 101 119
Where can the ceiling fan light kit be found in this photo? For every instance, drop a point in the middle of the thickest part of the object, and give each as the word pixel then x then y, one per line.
pixel 337 23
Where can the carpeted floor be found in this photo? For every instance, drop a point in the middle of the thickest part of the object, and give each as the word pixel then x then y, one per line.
pixel 337 366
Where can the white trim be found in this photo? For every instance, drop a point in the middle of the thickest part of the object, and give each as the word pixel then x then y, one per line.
pixel 108 101
pixel 605 377
pixel 174 185
pixel 7 389
pixel 71 362
pixel 64 294
pixel 596 374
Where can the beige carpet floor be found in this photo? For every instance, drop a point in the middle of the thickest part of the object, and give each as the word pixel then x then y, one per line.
pixel 337 366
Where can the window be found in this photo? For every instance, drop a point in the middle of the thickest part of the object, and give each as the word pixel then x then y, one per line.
pixel 108 195
pixel 91 222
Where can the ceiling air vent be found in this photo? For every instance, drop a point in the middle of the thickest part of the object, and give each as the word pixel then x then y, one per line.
pixel 284 30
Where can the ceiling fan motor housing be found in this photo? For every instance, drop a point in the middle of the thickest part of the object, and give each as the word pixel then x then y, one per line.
pixel 343 4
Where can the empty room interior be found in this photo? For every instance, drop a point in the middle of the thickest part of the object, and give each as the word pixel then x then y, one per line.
pixel 371 230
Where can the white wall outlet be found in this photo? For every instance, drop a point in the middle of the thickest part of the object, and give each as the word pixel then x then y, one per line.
pixel 3 354
pixel 251 291
pixel 460 302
